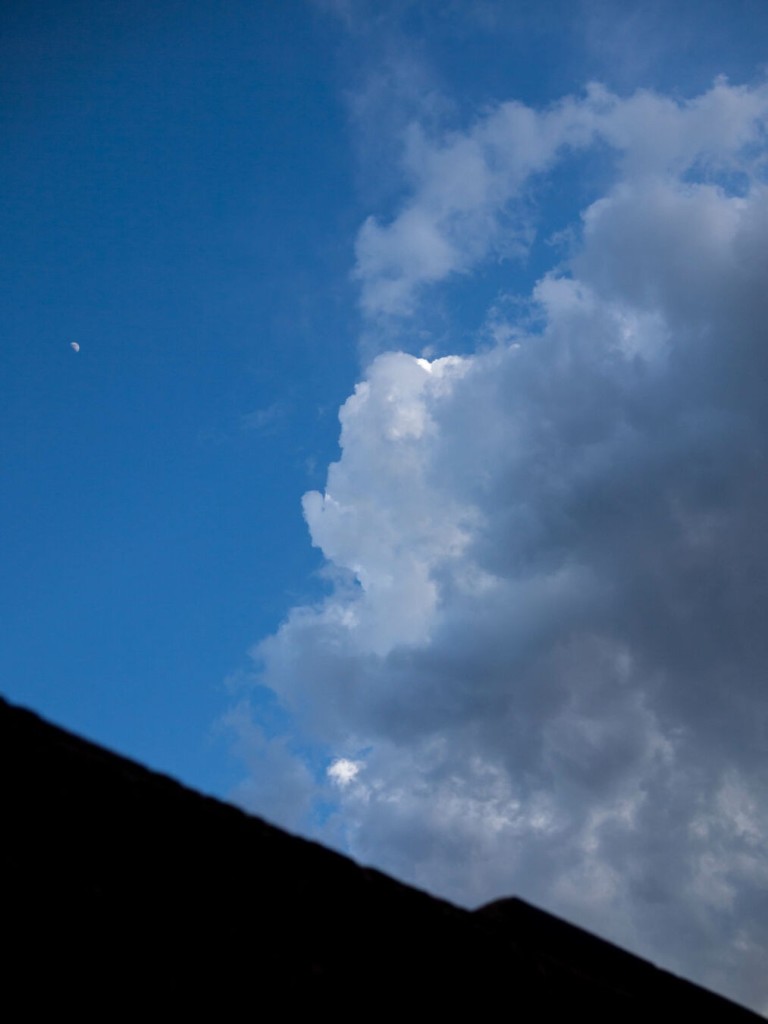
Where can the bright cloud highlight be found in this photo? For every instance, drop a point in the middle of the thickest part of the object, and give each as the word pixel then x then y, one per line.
pixel 343 771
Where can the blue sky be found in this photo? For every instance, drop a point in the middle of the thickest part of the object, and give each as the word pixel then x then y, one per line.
pixel 498 630
pixel 157 210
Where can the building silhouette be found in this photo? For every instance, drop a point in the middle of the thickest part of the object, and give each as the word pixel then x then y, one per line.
pixel 126 893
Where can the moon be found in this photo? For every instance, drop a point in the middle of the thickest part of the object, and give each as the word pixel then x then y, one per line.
pixel 73 345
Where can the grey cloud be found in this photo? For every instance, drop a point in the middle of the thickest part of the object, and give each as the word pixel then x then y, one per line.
pixel 545 645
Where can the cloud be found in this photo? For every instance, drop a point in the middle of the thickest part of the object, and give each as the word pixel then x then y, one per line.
pixel 278 783
pixel 465 184
pixel 343 771
pixel 266 420
pixel 548 561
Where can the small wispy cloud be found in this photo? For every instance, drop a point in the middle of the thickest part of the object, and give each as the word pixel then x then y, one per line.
pixel 266 420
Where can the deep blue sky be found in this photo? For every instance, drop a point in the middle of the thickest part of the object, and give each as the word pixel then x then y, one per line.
pixel 176 183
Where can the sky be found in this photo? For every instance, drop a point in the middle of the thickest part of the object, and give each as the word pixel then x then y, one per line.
pixel 409 485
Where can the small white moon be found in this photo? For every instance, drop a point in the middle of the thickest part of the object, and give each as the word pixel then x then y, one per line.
pixel 75 346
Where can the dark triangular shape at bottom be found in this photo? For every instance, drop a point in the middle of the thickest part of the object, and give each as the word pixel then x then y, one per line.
pixel 125 892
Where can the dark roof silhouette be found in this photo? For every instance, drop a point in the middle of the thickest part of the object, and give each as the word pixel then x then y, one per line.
pixel 126 892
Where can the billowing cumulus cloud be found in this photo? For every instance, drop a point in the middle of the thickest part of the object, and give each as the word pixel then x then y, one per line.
pixel 541 664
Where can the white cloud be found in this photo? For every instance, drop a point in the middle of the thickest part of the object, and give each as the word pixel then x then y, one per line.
pixel 342 771
pixel 549 558
pixel 465 184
